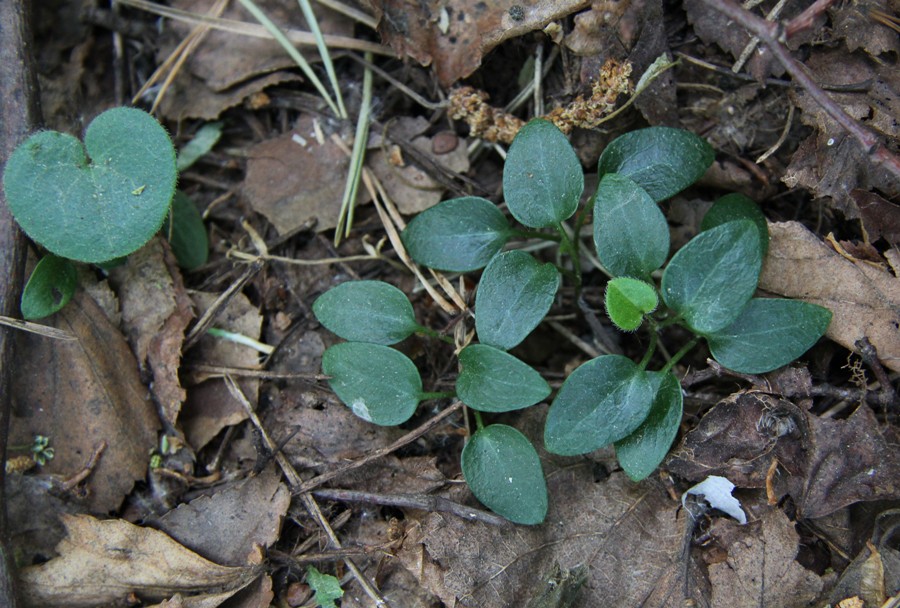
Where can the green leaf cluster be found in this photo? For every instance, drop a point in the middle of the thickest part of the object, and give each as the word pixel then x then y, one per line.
pixel 707 287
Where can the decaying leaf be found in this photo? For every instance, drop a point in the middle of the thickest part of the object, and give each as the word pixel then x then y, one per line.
pixel 155 312
pixel 454 35
pixel 210 407
pixel 824 464
pixel 760 570
pixel 226 526
pixel 293 179
pixel 101 563
pixel 864 300
pixel 81 393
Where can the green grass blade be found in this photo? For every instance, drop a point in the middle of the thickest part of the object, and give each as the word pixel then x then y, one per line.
pixel 313 24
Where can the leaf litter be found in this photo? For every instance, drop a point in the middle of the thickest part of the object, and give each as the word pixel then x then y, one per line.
pixel 612 542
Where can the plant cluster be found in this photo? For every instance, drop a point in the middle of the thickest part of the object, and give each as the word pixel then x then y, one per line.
pixel 707 287
pixel 100 200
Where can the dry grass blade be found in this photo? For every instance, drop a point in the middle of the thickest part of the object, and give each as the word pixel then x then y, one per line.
pixel 885 19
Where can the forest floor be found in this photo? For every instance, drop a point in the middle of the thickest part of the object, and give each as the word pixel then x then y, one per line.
pixel 192 470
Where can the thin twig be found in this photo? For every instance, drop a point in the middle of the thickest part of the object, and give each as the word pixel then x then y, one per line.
pixel 317 481
pixel 771 34
pixel 421 502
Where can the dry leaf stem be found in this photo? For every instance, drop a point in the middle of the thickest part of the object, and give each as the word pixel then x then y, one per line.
pixel 772 34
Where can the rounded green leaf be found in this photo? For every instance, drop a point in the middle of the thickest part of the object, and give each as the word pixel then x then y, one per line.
pixel 187 233
pixel 458 235
pixel 542 177
pixel 514 294
pixel 52 284
pixel 661 160
pixel 768 333
pixel 641 452
pixel 380 384
pixel 97 201
pixel 366 311
pixel 711 278
pixel 628 300
pixel 601 402
pixel 504 472
pixel 630 232
pixel 492 380
pixel 733 207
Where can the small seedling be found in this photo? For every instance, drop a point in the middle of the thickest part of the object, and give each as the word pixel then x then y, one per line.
pixel 326 587
pixel 99 200
pixel 707 288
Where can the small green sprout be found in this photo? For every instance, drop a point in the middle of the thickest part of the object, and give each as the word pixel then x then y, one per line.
pixel 707 287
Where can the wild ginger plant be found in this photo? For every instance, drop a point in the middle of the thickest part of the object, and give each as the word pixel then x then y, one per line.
pixel 706 287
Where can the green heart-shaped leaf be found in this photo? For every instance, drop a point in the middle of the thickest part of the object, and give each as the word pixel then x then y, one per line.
pixel 459 235
pixel 366 311
pixel 733 207
pixel 514 294
pixel 52 284
pixel 504 472
pixel 628 300
pixel 641 452
pixel 97 201
pixel 713 277
pixel 542 177
pixel 661 160
pixel 602 401
pixel 768 333
pixel 380 384
pixel 492 380
pixel 630 232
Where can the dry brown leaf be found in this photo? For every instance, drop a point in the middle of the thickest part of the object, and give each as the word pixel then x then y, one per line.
pixel 225 526
pixel 189 97
pixel 81 393
pixel 210 407
pixel 411 188
pixel 760 571
pixel 865 300
pixel 824 464
pixel 101 563
pixel 155 312
pixel 453 35
pixel 854 23
pixel 880 217
pixel 292 179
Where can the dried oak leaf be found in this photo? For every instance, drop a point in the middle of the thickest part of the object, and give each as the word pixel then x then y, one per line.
pixel 761 570
pixel 864 300
pixel 854 23
pixel 102 563
pixel 80 393
pixel 453 35
pixel 880 217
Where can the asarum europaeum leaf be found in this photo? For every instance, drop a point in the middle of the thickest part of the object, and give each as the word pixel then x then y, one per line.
pixel 710 280
pixel 767 334
pixel 379 384
pixel 514 295
pixel 52 284
pixel 631 234
pixel 641 452
pixel 542 177
pixel 366 311
pixel 661 160
pixel 99 200
pixel 628 300
pixel 737 206
pixel 458 235
pixel 492 380
pixel 504 472
pixel 602 401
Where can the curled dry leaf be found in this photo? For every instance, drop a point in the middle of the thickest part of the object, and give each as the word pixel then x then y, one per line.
pixel 101 563
pixel 84 392
pixel 865 300
pixel 453 35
